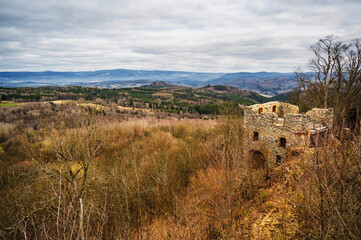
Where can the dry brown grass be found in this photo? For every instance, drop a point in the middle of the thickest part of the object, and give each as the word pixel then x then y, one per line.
pixel 165 179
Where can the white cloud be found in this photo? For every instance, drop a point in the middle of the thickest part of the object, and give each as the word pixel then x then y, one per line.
pixel 203 35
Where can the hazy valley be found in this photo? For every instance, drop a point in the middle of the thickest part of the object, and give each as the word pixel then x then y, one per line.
pixel 268 83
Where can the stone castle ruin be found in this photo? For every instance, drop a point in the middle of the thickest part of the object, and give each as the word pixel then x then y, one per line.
pixel 273 128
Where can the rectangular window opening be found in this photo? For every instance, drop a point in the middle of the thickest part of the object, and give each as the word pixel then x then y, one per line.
pixel 283 142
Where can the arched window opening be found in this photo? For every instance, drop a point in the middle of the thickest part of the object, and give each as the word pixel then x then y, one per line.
pixel 260 110
pixel 283 142
pixel 257 159
pixel 274 108
pixel 255 136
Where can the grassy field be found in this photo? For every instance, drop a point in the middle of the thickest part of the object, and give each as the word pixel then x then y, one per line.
pixel 8 104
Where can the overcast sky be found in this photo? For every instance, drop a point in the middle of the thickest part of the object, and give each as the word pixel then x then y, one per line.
pixel 189 35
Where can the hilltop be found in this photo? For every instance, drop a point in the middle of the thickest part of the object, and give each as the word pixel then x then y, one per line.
pixel 161 85
pixel 268 83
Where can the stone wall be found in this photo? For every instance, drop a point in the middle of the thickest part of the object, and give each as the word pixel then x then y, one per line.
pixel 297 123
pixel 278 107
pixel 279 127
pixel 321 116
pixel 290 109
pixel 270 133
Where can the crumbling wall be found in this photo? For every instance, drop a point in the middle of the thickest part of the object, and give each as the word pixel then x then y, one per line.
pixel 250 117
pixel 277 107
pixel 290 109
pixel 269 140
pixel 321 116
pixel 279 127
pixel 270 130
pixel 297 123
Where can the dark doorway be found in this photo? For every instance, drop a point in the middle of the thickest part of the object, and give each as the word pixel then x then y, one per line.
pixel 260 110
pixel 255 136
pixel 283 142
pixel 278 160
pixel 256 159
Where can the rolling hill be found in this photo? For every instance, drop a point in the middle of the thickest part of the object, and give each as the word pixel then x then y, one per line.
pixel 267 83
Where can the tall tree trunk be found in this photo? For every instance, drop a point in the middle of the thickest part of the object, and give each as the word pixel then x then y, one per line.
pixel 358 121
pixel 326 96
pixel 342 122
pixel 81 218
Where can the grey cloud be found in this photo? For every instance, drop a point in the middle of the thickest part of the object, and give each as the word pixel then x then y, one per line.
pixel 194 35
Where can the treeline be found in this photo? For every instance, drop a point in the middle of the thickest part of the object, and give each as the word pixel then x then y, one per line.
pixel 182 100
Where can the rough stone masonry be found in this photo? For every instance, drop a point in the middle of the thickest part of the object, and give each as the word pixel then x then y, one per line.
pixel 273 128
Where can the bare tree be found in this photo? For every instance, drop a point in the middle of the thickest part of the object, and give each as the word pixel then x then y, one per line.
pixel 66 174
pixel 335 78
pixel 348 84
pixel 323 67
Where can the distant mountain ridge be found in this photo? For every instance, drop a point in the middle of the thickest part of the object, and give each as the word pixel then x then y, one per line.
pixel 110 75
pixel 269 83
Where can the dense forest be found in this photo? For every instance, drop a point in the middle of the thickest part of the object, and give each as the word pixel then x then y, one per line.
pixel 157 96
